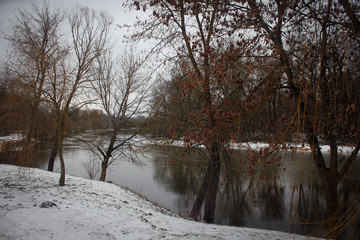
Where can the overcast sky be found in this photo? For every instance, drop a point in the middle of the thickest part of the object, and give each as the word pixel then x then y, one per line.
pixel 120 15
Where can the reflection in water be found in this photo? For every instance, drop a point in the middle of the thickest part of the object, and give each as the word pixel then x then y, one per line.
pixel 172 176
pixel 238 201
pixel 295 203
pixel 180 176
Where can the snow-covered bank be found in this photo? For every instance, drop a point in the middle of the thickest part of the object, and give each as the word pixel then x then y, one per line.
pixel 33 206
pixel 13 137
pixel 256 145
pixel 10 142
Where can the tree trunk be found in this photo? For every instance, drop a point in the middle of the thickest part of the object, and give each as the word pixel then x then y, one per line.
pixel 210 199
pixel 195 211
pixel 62 162
pixel 53 155
pixel 60 137
pixel 104 165
pixel 332 207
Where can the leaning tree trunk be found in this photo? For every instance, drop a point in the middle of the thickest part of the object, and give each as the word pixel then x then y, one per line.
pixel 210 199
pixel 200 196
pixel 53 155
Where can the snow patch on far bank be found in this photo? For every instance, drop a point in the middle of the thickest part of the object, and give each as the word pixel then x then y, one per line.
pixel 12 138
pixel 256 145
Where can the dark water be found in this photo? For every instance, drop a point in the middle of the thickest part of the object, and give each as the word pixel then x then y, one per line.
pixel 170 177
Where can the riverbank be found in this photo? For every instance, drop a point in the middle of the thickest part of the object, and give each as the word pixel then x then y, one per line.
pixel 300 147
pixel 14 138
pixel 33 206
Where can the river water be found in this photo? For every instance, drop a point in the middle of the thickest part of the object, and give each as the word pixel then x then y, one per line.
pixel 170 177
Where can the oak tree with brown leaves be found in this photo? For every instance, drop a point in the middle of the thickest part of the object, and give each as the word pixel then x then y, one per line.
pixel 221 94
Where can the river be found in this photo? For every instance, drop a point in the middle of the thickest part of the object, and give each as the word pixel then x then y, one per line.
pixel 170 176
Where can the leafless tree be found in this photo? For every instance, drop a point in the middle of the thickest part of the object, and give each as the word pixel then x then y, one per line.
pixel 122 89
pixel 34 41
pixel 89 32
pixel 91 166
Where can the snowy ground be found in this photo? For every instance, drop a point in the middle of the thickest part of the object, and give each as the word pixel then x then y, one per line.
pixel 33 206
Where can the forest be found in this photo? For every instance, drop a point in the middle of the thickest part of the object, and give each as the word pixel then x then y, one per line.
pixel 218 72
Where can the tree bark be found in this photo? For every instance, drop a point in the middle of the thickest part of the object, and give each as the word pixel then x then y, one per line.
pixel 62 162
pixel 210 200
pixel 53 155
pixel 351 14
pixel 104 165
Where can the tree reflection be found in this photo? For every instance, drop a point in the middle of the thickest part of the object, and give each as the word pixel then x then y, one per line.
pixel 266 198
pixel 252 193
pixel 179 171
pixel 307 209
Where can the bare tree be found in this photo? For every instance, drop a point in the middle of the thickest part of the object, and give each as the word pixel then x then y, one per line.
pixel 91 166
pixel 89 31
pixel 121 88
pixel 34 42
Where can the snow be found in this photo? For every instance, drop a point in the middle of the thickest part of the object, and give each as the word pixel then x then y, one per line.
pixel 258 145
pixel 33 206
pixel 12 138
pixel 291 146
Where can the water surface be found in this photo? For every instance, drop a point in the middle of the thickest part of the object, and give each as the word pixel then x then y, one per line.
pixel 170 177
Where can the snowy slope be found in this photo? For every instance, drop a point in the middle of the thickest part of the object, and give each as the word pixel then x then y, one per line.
pixel 33 206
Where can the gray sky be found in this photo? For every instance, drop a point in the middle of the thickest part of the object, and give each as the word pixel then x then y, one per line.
pixel 120 15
